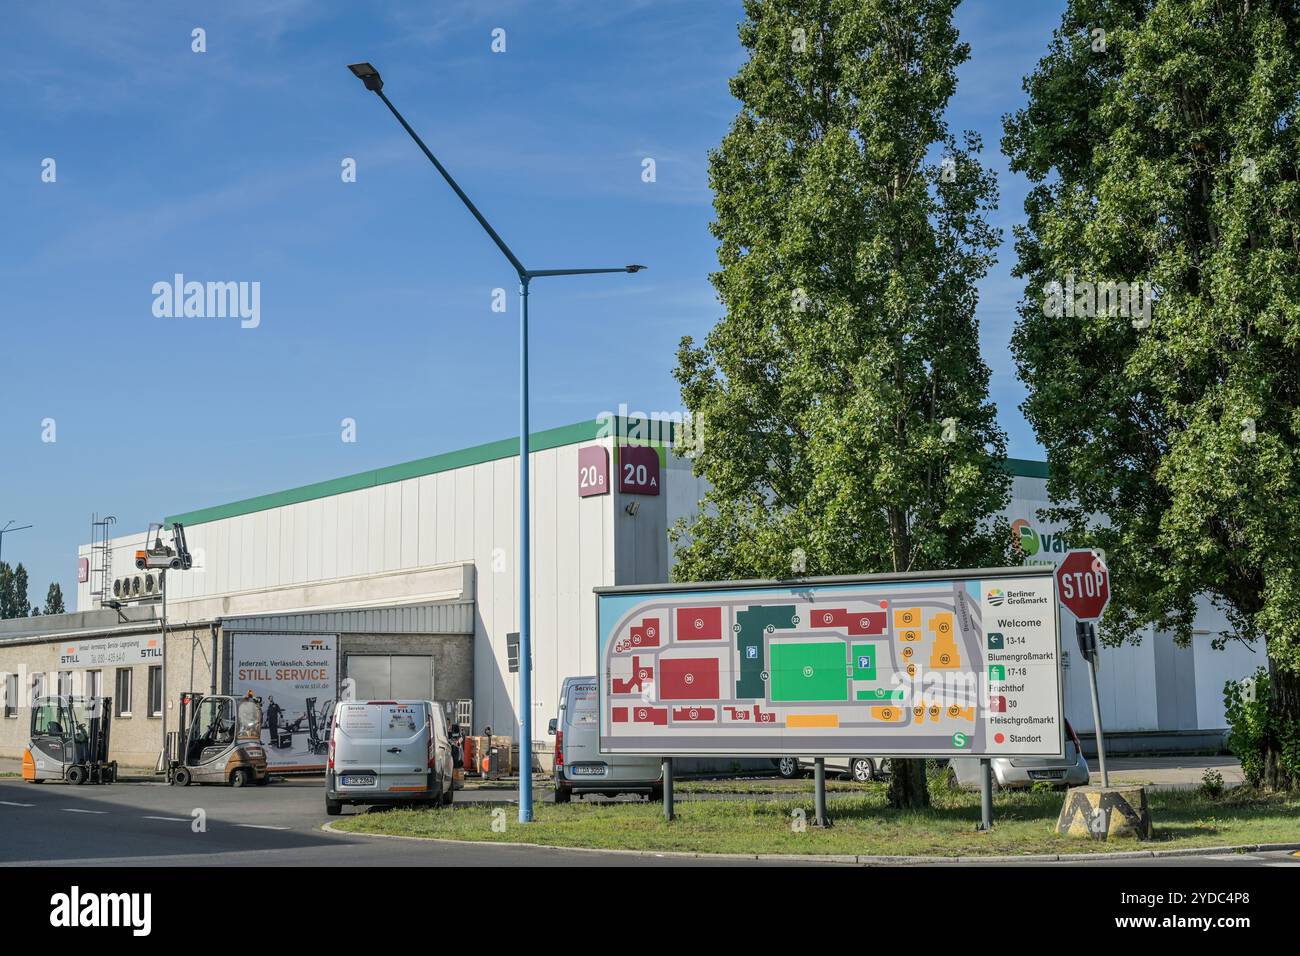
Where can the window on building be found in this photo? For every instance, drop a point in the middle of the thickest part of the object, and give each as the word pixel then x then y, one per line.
pixel 11 695
pixel 38 686
pixel 155 691
pixel 122 695
pixel 65 684
pixel 94 683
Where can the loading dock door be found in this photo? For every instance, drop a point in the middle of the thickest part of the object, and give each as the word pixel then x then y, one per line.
pixel 391 676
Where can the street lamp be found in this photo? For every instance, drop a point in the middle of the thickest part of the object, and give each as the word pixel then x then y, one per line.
pixel 375 83
pixel 9 529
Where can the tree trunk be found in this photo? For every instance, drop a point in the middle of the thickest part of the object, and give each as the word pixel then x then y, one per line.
pixel 1284 722
pixel 908 787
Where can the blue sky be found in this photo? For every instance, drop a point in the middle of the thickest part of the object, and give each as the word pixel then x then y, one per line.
pixel 375 295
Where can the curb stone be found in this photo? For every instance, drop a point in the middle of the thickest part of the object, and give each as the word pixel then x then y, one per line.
pixel 844 858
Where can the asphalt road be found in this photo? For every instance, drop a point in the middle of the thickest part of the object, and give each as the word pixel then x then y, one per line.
pixel 153 824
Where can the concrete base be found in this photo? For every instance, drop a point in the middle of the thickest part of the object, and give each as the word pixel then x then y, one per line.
pixel 1105 813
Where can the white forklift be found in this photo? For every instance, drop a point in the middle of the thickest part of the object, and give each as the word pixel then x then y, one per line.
pixel 220 741
pixel 69 741
pixel 159 555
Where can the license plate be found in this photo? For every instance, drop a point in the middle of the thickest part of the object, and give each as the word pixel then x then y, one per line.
pixel 589 770
pixel 358 780
pixel 1046 774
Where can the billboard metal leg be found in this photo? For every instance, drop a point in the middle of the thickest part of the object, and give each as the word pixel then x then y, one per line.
pixel 819 777
pixel 986 794
pixel 669 813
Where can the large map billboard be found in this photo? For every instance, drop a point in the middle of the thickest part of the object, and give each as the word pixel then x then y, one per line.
pixel 950 664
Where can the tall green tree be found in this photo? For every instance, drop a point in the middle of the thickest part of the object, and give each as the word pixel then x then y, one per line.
pixel 1161 137
pixel 13 591
pixel 54 599
pixel 22 607
pixel 846 421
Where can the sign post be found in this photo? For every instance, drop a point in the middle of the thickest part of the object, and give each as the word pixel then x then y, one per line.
pixel 819 798
pixel 986 794
pixel 1083 583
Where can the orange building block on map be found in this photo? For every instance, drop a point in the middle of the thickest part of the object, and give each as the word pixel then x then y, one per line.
pixel 944 654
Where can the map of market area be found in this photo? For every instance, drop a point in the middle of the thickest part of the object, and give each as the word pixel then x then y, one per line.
pixel 943 667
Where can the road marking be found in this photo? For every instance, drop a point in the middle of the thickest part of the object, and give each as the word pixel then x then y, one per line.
pixel 259 826
pixel 169 819
pixel 11 803
pixel 75 810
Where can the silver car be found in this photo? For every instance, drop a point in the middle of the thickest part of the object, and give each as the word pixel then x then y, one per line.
pixel 1010 772
pixel 861 769
pixel 580 767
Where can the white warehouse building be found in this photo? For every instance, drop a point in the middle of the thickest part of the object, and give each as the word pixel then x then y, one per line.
pixel 403 581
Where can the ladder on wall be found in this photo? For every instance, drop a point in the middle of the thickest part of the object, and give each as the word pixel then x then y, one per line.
pixel 101 558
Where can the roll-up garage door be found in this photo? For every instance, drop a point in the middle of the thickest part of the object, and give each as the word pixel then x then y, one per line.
pixel 391 676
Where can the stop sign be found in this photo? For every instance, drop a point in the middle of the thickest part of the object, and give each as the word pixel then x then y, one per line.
pixel 1083 583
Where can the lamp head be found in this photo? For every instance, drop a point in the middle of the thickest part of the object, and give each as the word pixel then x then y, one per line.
pixel 634 268
pixel 368 75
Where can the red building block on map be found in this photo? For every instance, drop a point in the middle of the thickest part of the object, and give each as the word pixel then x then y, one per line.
pixel 641 673
pixel 858 623
pixel 688 678
pixel 647 635
pixel 688 714
pixel 620 715
pixel 650 715
pixel 735 713
pixel 699 624
pixel 764 716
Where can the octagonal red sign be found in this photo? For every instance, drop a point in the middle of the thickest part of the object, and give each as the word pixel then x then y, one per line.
pixel 1083 584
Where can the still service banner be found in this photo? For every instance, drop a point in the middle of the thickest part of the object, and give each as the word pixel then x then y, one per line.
pixel 296 676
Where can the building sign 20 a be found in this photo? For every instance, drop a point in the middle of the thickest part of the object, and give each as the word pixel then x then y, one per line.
pixel 638 470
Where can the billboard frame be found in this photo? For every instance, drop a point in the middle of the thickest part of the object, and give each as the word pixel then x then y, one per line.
pixel 1028 572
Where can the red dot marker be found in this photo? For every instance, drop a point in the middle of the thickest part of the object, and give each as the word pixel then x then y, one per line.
pixel 884 604
pixel 999 739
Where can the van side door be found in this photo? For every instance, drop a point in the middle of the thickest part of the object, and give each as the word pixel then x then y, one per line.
pixel 404 729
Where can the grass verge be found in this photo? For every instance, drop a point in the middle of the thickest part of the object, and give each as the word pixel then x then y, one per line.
pixel 863 824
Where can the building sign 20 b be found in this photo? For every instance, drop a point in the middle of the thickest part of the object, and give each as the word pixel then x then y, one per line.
pixel 593 471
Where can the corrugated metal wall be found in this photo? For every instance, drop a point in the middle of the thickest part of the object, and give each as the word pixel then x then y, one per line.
pixel 450 618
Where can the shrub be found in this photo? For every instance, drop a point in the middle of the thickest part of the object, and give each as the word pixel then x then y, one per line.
pixel 1212 784
pixel 1251 727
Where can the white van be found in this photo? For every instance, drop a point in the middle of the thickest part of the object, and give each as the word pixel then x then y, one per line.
pixel 580 767
pixel 388 751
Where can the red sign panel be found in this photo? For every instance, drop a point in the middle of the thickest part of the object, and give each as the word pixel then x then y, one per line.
pixel 593 471
pixel 1083 584
pixel 83 570
pixel 638 470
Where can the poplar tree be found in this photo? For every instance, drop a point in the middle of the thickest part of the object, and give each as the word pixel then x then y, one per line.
pixel 846 422
pixel 1162 142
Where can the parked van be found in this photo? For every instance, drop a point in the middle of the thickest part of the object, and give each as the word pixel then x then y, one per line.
pixel 388 751
pixel 580 767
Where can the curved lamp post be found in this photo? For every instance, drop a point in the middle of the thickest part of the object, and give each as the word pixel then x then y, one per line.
pixel 375 83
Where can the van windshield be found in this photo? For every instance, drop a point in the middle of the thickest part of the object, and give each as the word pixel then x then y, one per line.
pixel 582 704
